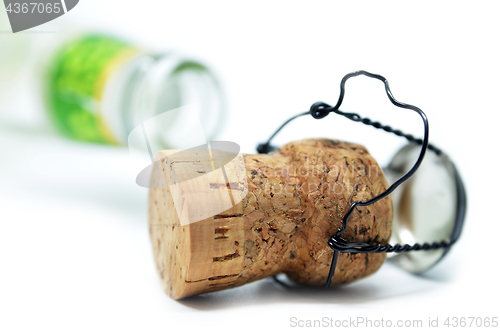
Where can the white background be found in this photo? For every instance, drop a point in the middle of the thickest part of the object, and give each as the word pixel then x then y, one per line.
pixel 74 245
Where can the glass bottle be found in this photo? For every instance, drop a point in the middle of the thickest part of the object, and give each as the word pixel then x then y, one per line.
pixel 99 88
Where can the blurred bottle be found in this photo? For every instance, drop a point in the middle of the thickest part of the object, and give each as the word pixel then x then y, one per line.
pixel 97 88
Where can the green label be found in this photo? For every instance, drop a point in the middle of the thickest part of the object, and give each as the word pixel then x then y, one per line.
pixel 77 79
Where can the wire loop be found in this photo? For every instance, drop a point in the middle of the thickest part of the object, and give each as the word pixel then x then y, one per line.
pixel 338 244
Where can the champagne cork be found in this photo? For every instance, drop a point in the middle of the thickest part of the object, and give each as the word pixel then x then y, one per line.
pixel 281 212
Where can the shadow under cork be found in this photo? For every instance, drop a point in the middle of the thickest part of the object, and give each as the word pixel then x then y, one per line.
pixel 389 282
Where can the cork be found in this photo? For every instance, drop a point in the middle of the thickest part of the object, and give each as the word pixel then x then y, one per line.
pixel 285 206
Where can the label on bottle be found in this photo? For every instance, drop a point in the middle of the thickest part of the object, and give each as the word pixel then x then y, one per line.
pixel 76 83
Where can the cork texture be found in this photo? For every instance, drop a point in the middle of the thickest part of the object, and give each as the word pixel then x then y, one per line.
pixel 296 200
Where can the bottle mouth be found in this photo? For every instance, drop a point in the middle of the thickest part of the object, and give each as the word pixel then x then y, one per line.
pixel 156 87
pixel 429 207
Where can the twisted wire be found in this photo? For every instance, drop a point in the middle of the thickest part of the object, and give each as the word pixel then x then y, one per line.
pixel 339 244
pixel 377 125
